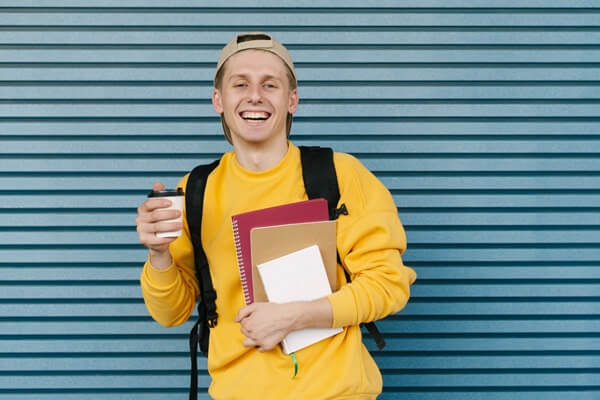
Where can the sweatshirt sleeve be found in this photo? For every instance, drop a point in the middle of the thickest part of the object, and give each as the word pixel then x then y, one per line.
pixel 370 242
pixel 170 295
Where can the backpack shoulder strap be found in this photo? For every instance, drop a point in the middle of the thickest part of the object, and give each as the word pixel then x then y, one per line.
pixel 320 181
pixel 207 310
pixel 194 203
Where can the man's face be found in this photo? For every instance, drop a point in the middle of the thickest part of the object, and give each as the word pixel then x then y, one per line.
pixel 255 97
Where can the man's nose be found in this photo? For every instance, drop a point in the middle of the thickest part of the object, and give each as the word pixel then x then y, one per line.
pixel 255 93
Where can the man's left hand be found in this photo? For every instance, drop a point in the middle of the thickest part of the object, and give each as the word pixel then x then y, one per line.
pixel 264 325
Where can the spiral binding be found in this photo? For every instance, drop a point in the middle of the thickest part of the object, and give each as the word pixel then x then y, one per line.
pixel 240 260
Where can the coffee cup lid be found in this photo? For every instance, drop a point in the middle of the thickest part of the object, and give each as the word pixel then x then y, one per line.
pixel 166 193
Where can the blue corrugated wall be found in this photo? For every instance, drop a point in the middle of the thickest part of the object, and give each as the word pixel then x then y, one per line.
pixel 482 117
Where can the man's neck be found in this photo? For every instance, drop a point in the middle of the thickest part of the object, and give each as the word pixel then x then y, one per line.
pixel 260 157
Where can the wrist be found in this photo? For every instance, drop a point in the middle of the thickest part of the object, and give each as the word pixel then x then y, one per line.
pixel 298 315
pixel 311 314
pixel 160 260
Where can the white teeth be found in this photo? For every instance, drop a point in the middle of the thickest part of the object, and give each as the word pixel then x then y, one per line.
pixel 255 115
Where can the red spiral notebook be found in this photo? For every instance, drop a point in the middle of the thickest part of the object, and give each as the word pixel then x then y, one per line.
pixel 292 213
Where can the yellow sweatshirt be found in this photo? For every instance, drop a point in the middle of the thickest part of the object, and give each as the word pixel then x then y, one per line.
pixel 370 241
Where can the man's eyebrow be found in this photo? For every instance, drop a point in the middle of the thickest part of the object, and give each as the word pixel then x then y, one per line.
pixel 267 77
pixel 263 78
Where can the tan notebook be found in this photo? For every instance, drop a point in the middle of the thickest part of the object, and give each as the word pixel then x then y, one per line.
pixel 271 242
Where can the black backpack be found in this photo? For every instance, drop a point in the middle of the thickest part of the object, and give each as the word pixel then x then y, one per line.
pixel 320 181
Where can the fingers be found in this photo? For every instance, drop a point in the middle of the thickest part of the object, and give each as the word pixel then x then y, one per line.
pixel 246 331
pixel 262 347
pixel 152 229
pixel 158 221
pixel 153 242
pixel 158 215
pixel 244 312
pixel 253 343
pixel 147 230
pixel 153 204
pixel 158 186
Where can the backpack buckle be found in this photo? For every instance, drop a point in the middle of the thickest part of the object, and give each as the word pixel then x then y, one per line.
pixel 212 322
pixel 342 210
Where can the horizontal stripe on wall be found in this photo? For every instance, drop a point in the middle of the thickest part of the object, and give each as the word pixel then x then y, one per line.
pixel 305 18
pixel 548 5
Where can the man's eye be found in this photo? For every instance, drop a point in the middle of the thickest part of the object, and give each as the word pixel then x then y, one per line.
pixel 270 85
pixel 239 85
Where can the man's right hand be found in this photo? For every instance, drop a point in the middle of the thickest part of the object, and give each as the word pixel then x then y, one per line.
pixel 150 220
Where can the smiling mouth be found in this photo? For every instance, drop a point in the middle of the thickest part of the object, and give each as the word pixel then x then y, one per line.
pixel 255 115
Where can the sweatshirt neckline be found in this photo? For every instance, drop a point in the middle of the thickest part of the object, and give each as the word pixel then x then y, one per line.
pixel 283 164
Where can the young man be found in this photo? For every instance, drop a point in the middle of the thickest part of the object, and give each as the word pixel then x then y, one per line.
pixel 255 93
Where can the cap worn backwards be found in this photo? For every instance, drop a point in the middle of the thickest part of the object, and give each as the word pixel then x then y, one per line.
pixel 258 41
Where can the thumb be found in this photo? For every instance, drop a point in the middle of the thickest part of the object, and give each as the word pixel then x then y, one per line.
pixel 158 186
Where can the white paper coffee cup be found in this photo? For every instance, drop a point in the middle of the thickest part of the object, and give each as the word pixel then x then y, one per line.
pixel 176 197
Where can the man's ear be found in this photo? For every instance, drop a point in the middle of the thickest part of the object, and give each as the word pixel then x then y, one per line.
pixel 293 103
pixel 216 101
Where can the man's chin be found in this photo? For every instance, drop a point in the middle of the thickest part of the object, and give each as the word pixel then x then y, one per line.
pixel 256 137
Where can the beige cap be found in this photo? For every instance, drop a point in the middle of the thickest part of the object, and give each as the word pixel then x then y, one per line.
pixel 255 40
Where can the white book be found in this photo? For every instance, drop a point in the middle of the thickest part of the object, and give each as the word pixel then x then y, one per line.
pixel 298 276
